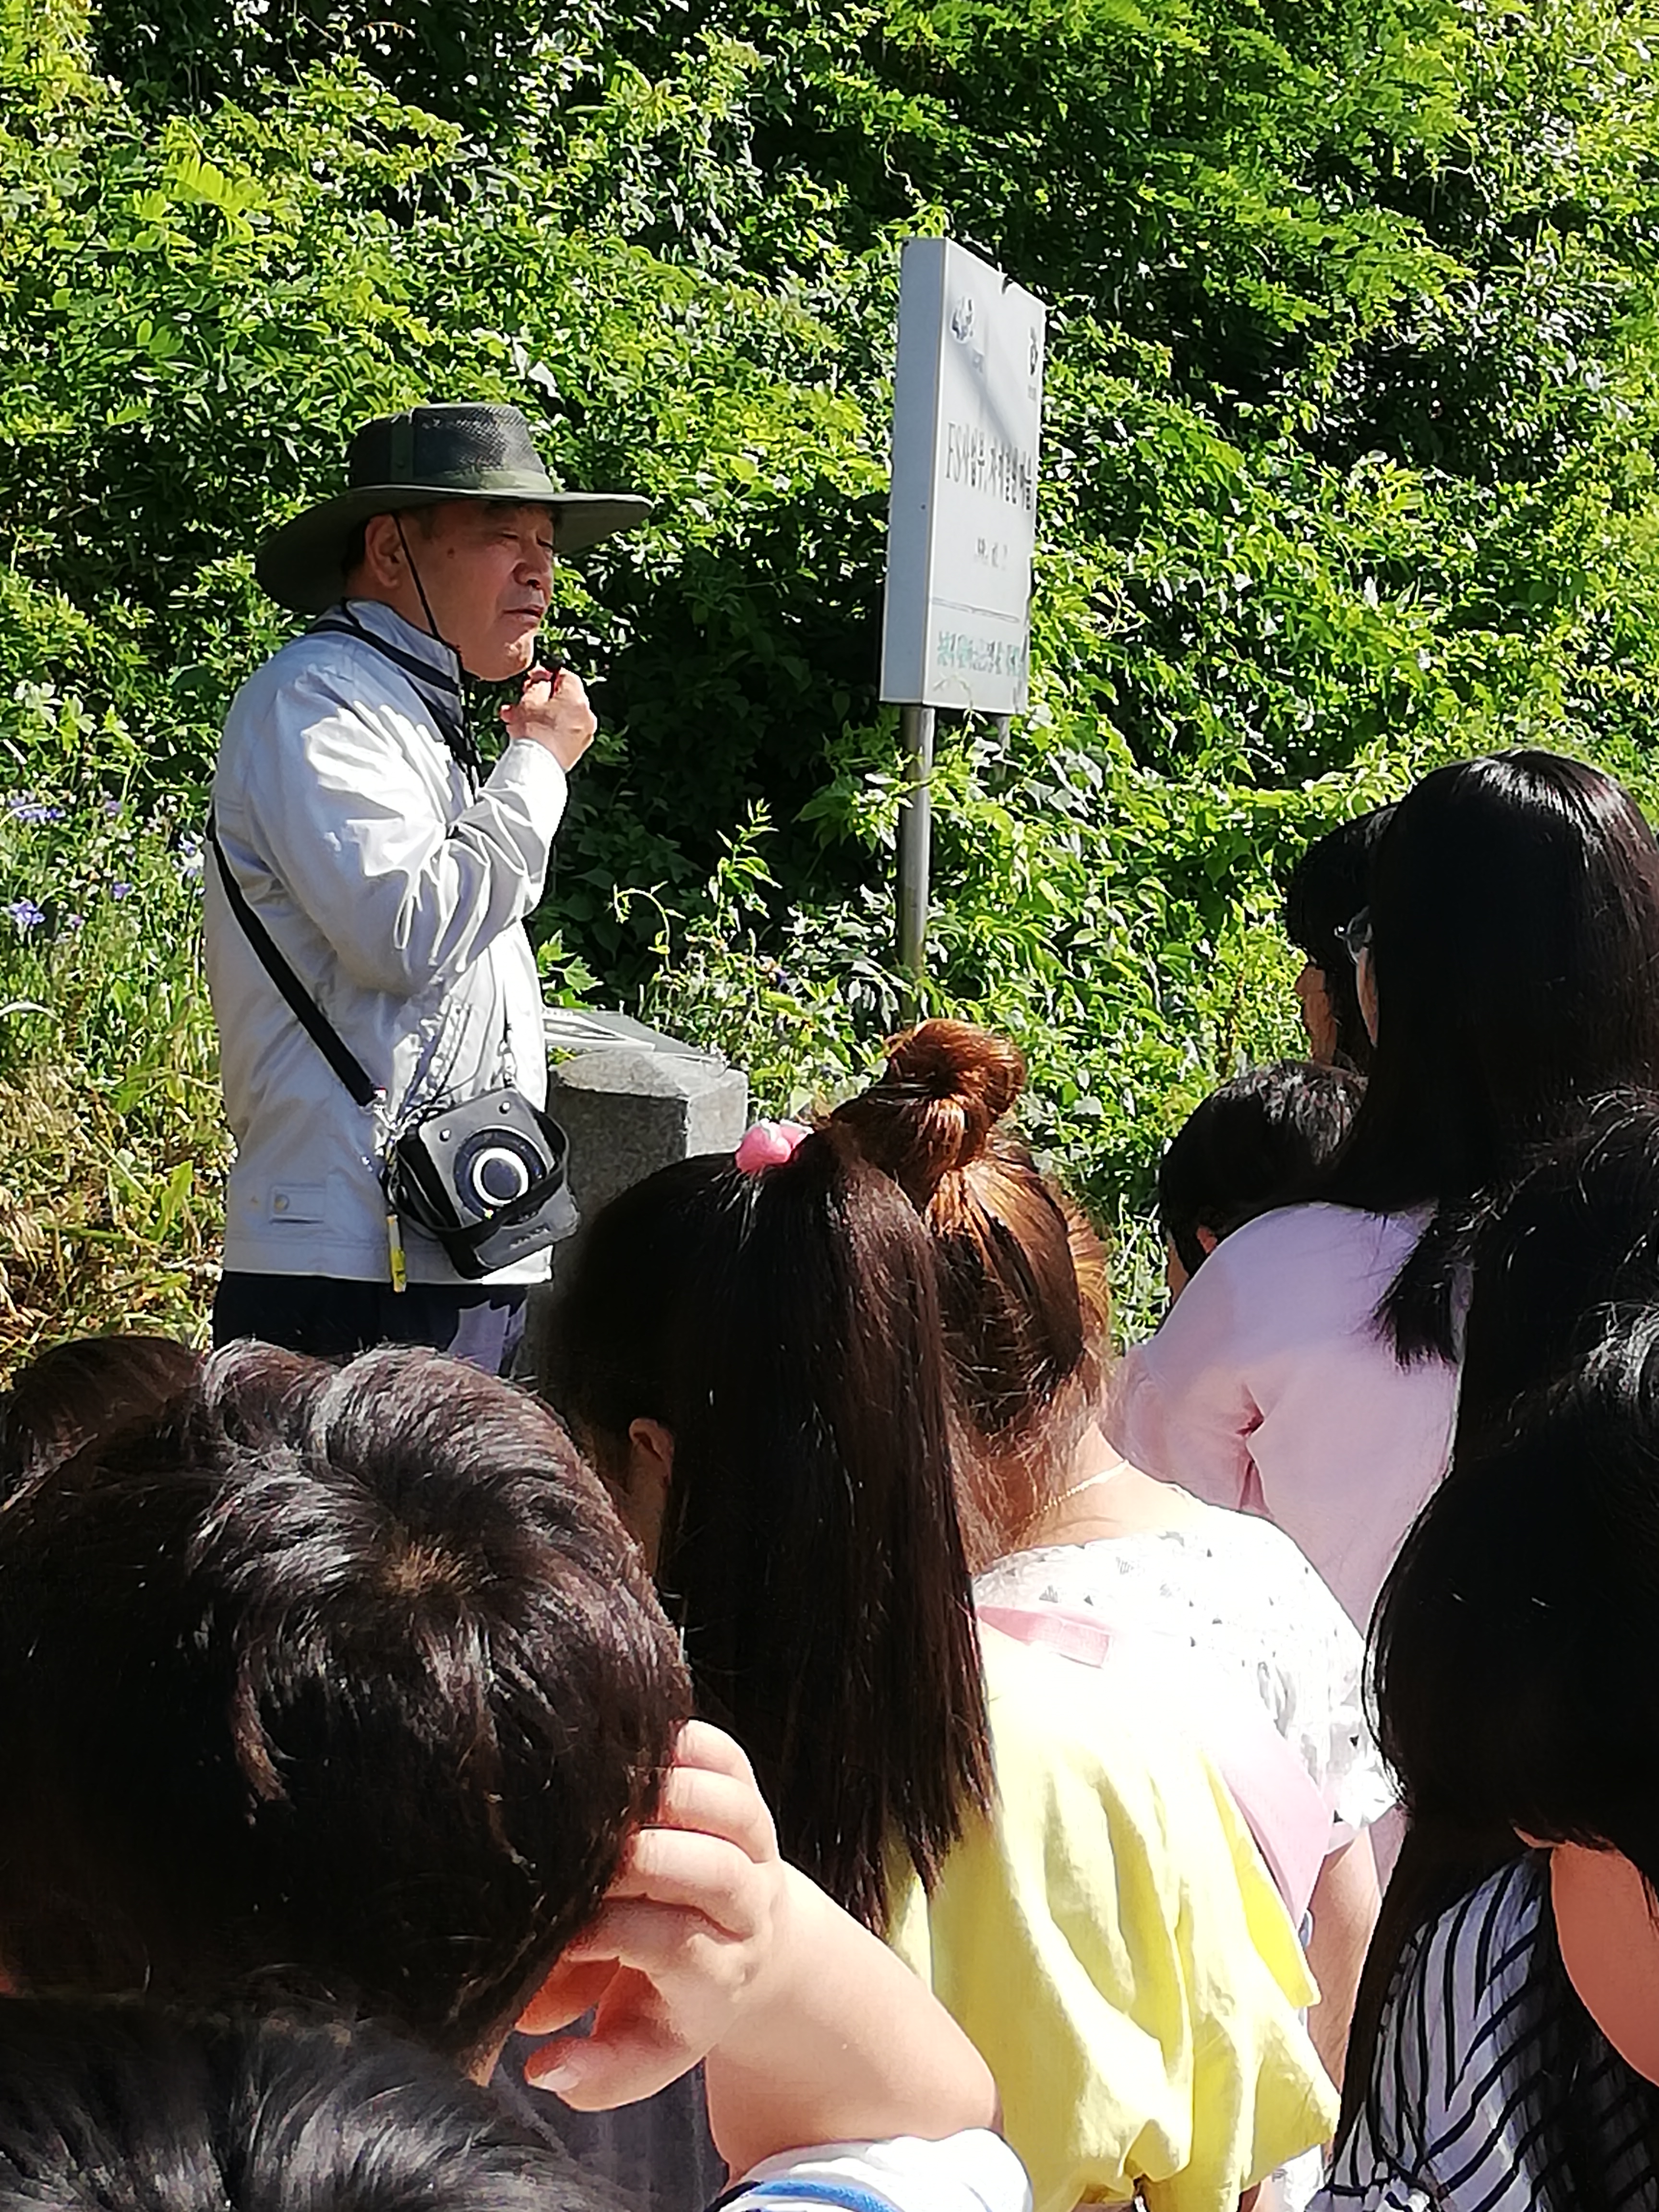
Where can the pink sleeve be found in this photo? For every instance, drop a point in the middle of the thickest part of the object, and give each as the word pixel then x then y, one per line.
pixel 1180 1406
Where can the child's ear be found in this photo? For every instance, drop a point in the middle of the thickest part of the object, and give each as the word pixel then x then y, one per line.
pixel 1207 1237
pixel 650 1472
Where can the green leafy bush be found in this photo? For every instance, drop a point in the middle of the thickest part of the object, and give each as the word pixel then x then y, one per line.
pixel 1349 467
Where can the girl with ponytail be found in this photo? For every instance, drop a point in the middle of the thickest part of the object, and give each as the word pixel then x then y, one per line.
pixel 1060 1526
pixel 752 1350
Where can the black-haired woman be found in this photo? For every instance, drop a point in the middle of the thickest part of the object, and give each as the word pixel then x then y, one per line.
pixel 1509 963
pixel 1517 2054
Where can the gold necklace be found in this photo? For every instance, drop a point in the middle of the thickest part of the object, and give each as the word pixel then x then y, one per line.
pixel 1102 1474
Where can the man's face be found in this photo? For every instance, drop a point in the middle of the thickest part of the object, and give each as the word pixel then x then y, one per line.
pixel 487 573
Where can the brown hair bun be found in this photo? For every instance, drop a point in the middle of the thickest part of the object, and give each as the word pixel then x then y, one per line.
pixel 932 1113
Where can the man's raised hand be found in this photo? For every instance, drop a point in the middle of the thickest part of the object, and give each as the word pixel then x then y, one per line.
pixel 552 710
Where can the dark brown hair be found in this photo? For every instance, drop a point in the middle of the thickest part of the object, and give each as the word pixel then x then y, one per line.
pixel 784 1326
pixel 1022 1276
pixel 344 1680
pixel 110 2107
pixel 84 1393
pixel 423 521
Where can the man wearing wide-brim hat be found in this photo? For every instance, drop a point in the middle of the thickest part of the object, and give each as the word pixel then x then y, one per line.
pixel 361 842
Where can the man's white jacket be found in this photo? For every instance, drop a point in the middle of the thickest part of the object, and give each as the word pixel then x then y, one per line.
pixel 399 898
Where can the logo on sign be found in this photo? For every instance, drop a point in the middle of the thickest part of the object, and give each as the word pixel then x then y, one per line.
pixel 964 319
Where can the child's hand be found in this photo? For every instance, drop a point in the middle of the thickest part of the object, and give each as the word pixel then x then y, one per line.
pixel 687 1929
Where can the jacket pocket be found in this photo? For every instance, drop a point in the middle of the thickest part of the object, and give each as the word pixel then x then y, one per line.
pixel 306 1202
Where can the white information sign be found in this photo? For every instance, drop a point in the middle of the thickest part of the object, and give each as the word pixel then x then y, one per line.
pixel 967 415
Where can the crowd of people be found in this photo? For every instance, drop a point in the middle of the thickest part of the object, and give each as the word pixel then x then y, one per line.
pixel 838 1725
pixel 829 1735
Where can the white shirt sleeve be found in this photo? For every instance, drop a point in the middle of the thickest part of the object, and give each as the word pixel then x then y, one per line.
pixel 973 2171
pixel 407 898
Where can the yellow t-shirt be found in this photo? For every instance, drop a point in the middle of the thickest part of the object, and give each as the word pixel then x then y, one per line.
pixel 1113 1945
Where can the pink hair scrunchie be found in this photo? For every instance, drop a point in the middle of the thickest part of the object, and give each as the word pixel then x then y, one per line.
pixel 768 1145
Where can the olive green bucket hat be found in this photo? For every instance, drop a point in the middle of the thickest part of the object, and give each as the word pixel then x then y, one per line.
pixel 420 459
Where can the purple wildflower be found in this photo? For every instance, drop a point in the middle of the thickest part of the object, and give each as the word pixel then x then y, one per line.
pixel 33 811
pixel 25 912
pixel 188 858
pixel 120 890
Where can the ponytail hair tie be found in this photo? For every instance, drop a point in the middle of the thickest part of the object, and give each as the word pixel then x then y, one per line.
pixel 768 1145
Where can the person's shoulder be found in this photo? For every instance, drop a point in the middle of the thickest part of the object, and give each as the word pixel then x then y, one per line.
pixel 1092 1750
pixel 1462 1973
pixel 1275 1562
pixel 318 682
pixel 1301 1232
pixel 311 662
pixel 1460 2012
pixel 1486 1930
pixel 1295 1275
pixel 1051 1702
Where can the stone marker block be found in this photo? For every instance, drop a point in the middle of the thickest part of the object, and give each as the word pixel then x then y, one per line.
pixel 630 1110
pixel 631 1100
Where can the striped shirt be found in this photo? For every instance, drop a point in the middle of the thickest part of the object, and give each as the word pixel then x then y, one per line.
pixel 1492 2089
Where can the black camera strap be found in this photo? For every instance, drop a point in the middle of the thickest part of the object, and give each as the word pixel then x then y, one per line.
pixel 409 1175
pixel 306 1011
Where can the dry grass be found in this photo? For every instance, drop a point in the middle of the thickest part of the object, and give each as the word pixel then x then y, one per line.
pixel 97 1232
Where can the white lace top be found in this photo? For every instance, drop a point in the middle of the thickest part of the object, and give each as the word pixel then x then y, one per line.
pixel 1237 1589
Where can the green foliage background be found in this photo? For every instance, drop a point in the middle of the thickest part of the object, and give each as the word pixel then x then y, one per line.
pixel 1349 467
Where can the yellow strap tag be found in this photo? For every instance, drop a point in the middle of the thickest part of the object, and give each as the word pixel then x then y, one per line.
pixel 394 1239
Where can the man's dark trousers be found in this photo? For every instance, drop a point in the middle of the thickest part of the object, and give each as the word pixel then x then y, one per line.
pixel 333 1319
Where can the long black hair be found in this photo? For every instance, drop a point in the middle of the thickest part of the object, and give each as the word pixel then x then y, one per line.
pixel 785 1327
pixel 1516 1695
pixel 1552 1259
pixel 1515 943
pixel 1563 1264
pixel 1510 1658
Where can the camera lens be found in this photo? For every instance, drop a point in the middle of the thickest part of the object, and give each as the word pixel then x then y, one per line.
pixel 496 1169
pixel 502 1176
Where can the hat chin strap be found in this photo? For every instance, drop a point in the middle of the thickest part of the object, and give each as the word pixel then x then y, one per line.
pixel 461 742
pixel 426 604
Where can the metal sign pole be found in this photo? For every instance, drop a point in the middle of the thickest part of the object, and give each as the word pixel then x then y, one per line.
pixel 915 831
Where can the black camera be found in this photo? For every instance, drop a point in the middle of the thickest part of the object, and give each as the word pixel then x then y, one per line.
pixel 485 1177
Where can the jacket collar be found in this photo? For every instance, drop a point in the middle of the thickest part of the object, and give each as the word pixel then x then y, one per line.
pixel 431 667
pixel 389 628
